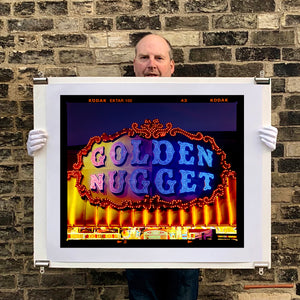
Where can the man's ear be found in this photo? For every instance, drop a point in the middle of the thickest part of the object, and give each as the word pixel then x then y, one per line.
pixel 172 66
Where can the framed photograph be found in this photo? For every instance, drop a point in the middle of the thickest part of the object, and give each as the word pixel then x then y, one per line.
pixel 152 173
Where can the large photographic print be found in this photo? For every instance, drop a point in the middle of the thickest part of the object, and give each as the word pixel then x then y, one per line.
pixel 152 171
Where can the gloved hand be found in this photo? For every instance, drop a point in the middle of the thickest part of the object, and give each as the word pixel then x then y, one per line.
pixel 37 139
pixel 268 135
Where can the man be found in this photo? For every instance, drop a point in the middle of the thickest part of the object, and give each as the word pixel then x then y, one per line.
pixel 154 58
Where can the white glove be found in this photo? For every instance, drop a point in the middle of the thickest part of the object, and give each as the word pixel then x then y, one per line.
pixel 268 135
pixel 37 139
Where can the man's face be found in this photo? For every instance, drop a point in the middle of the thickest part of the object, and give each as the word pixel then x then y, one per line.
pixel 153 58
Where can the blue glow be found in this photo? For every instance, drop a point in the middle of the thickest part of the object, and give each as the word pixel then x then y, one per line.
pixel 206 155
pixel 186 181
pixel 136 154
pixel 157 152
pixel 145 183
pixel 183 153
pixel 159 181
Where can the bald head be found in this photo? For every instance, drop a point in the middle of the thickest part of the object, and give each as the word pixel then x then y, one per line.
pixel 153 57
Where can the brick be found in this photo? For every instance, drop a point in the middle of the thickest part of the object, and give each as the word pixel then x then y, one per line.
pixel 291 5
pixel 114 292
pixel 98 40
pixel 285 180
pixel 67 25
pixel 24 187
pixel 2 57
pixel 291 243
pixel 82 8
pixel 100 71
pixel 298 289
pixel 183 38
pixel 288 134
pixel 26 171
pixel 27 280
pixel 287 70
pixel 285 227
pixel 219 291
pixel 138 22
pixel 22 248
pixel 60 72
pixel 289 118
pixel 4 9
pixel 114 56
pixel 164 6
pixel 53 294
pixel 287 275
pixel 24 9
pixel 249 275
pixel 291 54
pixel 97 24
pixel 257 54
pixel 5 250
pixel 28 41
pixel 118 39
pixel 206 6
pixel 107 278
pixel 87 294
pixel 274 243
pixel 6 218
pixel 278 85
pixel 288 165
pixel 264 296
pixel 64 40
pixel 290 212
pixel 284 259
pixel 225 38
pixel 11 265
pixel 32 57
pixel 209 54
pixel 292 20
pixel 244 70
pixel 7 41
pixel 292 85
pixel 279 151
pixel 252 6
pixel 195 70
pixel 273 38
pixel 31 24
pixel 76 56
pixel 185 23
pixel 11 139
pixel 57 8
pixel 6 75
pixel 25 91
pixel 8 108
pixel 5 155
pixel 63 280
pixel 236 21
pixel 12 295
pixel 276 101
pixel 293 149
pixel 115 6
pixel 268 21
pixel 9 172
pixel 28 73
pixel 9 233
pixel 215 275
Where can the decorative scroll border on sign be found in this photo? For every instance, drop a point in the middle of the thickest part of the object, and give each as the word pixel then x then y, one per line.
pixel 150 129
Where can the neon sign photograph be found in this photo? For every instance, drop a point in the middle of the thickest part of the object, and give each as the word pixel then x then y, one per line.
pixel 152 171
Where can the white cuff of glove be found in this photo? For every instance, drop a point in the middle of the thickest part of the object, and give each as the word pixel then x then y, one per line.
pixel 268 135
pixel 37 139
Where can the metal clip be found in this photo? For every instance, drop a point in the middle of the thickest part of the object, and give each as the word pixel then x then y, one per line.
pixel 262 79
pixel 42 264
pixel 40 80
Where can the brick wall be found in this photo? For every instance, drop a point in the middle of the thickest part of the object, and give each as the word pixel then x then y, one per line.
pixel 96 38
